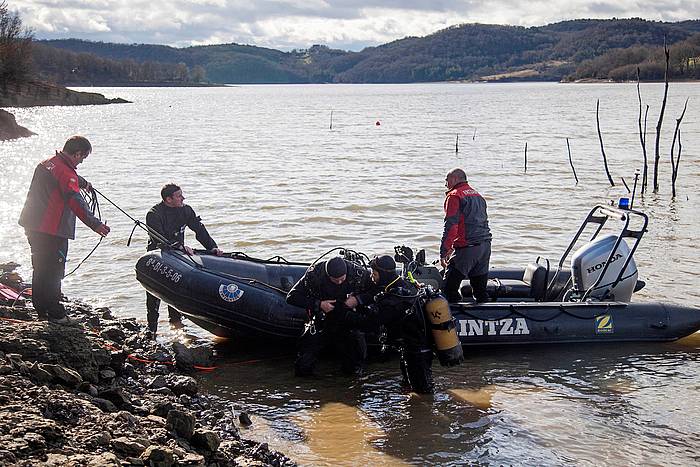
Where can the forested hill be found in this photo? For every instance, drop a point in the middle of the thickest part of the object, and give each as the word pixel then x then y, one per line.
pixel 465 52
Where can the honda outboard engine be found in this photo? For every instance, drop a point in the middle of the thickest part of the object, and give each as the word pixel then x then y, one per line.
pixel 589 261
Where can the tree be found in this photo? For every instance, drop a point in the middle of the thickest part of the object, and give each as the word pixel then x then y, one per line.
pixel 15 47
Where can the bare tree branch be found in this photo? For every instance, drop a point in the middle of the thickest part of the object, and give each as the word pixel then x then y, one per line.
pixel 600 137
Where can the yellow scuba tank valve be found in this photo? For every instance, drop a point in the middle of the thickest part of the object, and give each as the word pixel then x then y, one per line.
pixel 449 348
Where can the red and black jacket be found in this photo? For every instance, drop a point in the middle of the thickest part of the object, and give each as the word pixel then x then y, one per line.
pixel 466 220
pixel 54 200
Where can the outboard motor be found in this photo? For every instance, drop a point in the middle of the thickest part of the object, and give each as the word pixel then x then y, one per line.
pixel 591 260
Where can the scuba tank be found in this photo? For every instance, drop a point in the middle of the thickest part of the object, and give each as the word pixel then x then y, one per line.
pixel 442 326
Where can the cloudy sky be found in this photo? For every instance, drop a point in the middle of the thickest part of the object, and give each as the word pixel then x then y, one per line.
pixel 288 24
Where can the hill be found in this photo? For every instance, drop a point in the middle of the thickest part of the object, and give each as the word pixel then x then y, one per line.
pixel 464 52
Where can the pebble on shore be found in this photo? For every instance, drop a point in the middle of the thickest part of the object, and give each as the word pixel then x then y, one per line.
pixel 82 395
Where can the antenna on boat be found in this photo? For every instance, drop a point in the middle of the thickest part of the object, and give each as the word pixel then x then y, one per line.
pixel 634 188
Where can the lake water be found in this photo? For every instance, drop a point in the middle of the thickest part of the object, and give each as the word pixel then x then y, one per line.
pixel 268 176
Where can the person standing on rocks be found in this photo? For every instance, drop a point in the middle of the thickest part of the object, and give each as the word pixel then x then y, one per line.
pixel 169 218
pixel 48 217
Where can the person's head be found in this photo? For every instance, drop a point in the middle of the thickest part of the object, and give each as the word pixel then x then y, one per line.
pixel 454 177
pixel 172 195
pixel 383 270
pixel 336 270
pixel 77 149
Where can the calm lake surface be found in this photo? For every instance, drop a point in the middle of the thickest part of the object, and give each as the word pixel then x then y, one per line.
pixel 262 168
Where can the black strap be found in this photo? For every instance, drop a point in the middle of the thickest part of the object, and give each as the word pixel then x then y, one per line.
pixel 446 326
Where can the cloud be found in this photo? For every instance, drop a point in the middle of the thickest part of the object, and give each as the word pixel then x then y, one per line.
pixel 288 24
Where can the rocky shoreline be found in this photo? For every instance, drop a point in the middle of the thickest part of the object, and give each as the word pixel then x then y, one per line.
pixel 103 394
pixel 9 129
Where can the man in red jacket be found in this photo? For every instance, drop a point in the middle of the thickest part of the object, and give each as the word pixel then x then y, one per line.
pixel 48 218
pixel 465 250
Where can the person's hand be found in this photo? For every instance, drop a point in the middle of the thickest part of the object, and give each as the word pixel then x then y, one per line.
pixel 327 305
pixel 443 262
pixel 102 230
pixel 188 250
pixel 351 302
pixel 217 251
pixel 88 186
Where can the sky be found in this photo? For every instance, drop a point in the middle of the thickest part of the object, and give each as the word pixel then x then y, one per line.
pixel 299 24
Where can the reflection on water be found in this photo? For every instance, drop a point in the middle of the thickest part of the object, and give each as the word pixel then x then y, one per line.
pixel 261 167
pixel 536 405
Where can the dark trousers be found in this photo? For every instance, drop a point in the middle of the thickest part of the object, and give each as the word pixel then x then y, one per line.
pixel 416 369
pixel 471 262
pixel 454 278
pixel 349 344
pixel 49 266
pixel 152 312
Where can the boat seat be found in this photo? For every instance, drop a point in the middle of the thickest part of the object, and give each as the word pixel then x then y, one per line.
pixel 532 286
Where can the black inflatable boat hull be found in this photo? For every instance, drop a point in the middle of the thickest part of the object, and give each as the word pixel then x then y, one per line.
pixel 239 297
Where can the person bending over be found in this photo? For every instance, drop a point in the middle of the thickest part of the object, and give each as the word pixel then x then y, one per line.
pixel 325 287
pixel 169 218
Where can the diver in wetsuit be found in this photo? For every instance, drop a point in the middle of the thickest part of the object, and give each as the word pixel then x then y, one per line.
pixel 393 303
pixel 328 286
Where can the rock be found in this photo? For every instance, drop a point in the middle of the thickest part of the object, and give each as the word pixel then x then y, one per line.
pixel 161 409
pixel 163 392
pixel 64 376
pixel 94 322
pixel 88 389
pixel 9 129
pixel 187 358
pixel 107 459
pixel 245 420
pixel 184 385
pixel 134 462
pixel 158 456
pixel 180 423
pixel 127 446
pixel 63 410
pixel 156 419
pixel 158 382
pixel 192 459
pixel 127 418
pixel 106 313
pixel 38 374
pixel 107 374
pixel 5 370
pixel 114 334
pixel 206 440
pixel 115 396
pixel 99 439
pixel 104 405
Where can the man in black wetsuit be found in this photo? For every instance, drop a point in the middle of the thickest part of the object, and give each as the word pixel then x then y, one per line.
pixel 327 286
pixel 169 218
pixel 392 303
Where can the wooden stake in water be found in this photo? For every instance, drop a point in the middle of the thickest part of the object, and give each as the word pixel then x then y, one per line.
pixel 474 135
pixel 675 163
pixel 331 125
pixel 625 183
pixel 525 156
pixel 657 156
pixel 571 162
pixel 457 144
pixel 600 137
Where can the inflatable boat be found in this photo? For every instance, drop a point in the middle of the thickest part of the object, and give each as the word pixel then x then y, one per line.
pixel 584 297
